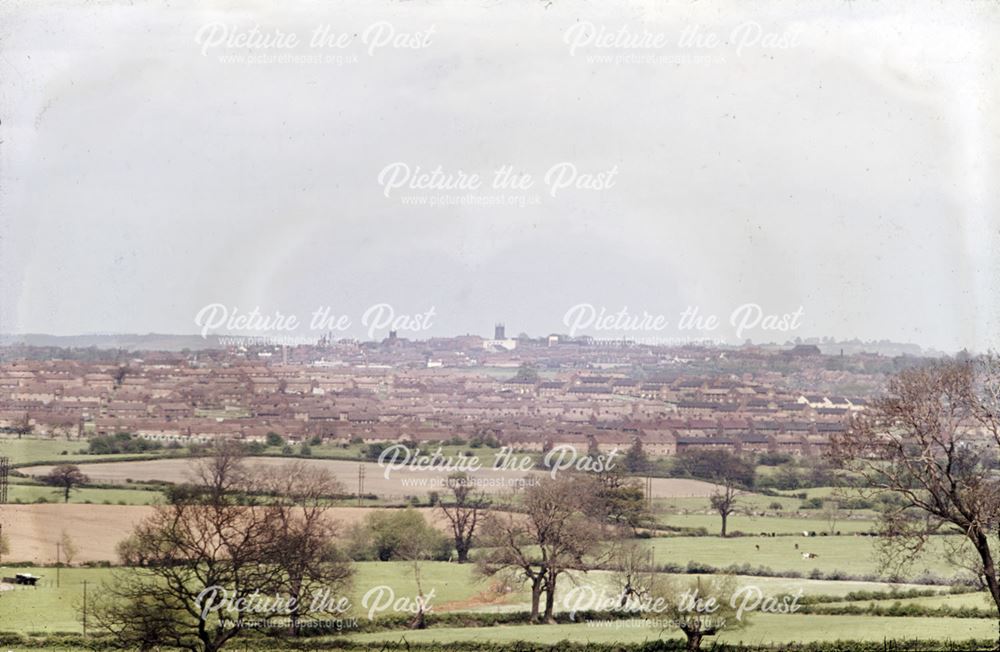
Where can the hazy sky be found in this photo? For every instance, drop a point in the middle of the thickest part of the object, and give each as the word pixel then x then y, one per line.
pixel 840 157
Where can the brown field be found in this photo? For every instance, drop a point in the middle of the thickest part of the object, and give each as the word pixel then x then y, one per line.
pixel 398 485
pixel 33 530
pixel 97 529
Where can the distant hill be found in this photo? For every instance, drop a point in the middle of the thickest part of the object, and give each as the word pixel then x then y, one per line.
pixel 130 342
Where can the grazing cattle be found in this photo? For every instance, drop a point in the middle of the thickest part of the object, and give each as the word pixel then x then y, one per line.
pixel 757 546
pixel 809 555
pixel 796 546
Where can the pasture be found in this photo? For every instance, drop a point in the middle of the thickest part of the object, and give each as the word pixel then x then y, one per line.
pixel 789 524
pixel 27 450
pixel 855 555
pixel 456 588
pixel 760 629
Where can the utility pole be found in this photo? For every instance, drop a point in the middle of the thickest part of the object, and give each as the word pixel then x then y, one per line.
pixel 58 561
pixel 361 481
pixel 84 608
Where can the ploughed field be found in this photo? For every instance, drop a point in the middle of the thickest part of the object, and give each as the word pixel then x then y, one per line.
pixel 398 484
pixel 34 530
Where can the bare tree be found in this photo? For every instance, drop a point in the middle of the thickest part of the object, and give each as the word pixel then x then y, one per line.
pixel 724 500
pixel 23 426
pixel 67 547
pixel 932 441
pixel 197 558
pixel 299 495
pixel 67 477
pixel 554 536
pixel 512 553
pixel 730 472
pixel 633 572
pixel 831 512
pixel 464 513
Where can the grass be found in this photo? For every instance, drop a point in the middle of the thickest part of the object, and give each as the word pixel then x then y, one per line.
pixel 28 493
pixel 758 524
pixel 27 451
pixel 762 629
pixel 52 609
pixel 851 554
pixel 456 588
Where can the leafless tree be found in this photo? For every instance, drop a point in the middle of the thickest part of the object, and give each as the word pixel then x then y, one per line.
pixel 67 547
pixel 299 495
pixel 831 512
pixel 221 537
pixel 554 536
pixel 932 441
pixel 633 572
pixel 725 500
pixel 464 513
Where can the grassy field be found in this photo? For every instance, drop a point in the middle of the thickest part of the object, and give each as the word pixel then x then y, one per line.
pixel 97 527
pixel 851 554
pixel 762 628
pixel 51 609
pixel 25 451
pixel 758 524
pixel 789 501
pixel 30 493
pixel 456 588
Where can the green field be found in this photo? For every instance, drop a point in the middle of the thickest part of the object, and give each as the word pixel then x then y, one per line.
pixel 456 588
pixel 459 589
pixel 51 609
pixel 762 628
pixel 758 524
pixel 35 451
pixel 30 493
pixel 855 555
pixel 25 451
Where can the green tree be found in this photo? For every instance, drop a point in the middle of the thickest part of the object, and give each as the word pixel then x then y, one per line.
pixel 67 477
pixel 390 534
pixel 700 608
pixel 635 457
pixel 526 373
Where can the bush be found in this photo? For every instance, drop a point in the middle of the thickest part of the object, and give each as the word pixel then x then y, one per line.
pixel 774 459
pixel 119 443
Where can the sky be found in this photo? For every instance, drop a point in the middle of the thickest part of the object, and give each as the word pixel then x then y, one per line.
pixel 833 160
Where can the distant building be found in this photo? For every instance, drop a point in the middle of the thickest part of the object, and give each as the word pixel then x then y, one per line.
pixel 496 345
pixel 499 332
pixel 804 350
